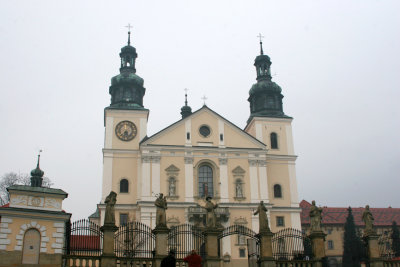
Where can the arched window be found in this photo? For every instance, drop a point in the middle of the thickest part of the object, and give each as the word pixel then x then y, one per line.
pixel 124 186
pixel 277 191
pixel 274 141
pixel 30 253
pixel 206 181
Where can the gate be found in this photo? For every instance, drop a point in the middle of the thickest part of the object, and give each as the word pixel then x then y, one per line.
pixel 134 240
pixel 83 244
pixel 184 238
pixel 291 244
pixel 252 243
pixel 83 238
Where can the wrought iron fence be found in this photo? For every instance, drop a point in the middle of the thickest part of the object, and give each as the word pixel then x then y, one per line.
pixel 83 238
pixel 291 244
pixel 184 238
pixel 134 240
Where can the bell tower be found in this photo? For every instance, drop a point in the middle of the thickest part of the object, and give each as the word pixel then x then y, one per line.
pixel 125 122
pixel 269 124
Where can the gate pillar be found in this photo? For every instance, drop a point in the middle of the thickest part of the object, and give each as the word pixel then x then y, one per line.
pixel 373 250
pixel 266 258
pixel 318 246
pixel 161 249
pixel 108 258
pixel 213 259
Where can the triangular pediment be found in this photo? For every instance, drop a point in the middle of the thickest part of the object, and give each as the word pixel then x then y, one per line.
pixel 172 168
pixel 219 132
pixel 238 171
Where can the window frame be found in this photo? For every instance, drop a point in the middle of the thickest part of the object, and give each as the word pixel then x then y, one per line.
pixel 127 185
pixel 280 191
pixel 280 221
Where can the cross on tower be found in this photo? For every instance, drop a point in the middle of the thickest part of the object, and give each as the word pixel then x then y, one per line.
pixel 186 96
pixel 204 98
pixel 129 33
pixel 261 48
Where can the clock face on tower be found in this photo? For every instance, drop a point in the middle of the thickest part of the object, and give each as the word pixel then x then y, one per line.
pixel 126 130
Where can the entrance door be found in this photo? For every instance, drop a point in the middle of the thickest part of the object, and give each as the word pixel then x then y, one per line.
pixel 30 254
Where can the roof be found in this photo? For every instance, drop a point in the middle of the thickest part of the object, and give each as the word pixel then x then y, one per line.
pixel 338 215
pixel 45 190
pixel 96 214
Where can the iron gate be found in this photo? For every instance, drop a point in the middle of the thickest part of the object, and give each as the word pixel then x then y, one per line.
pixel 184 238
pixel 291 244
pixel 83 238
pixel 134 240
pixel 242 232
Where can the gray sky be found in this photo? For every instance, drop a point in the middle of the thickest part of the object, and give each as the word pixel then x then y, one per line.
pixel 338 64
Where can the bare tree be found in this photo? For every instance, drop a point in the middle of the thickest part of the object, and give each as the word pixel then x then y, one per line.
pixel 13 178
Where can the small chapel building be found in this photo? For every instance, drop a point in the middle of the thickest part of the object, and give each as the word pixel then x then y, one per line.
pixel 202 154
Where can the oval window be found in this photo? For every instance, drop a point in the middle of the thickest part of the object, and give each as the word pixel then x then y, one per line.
pixel 205 130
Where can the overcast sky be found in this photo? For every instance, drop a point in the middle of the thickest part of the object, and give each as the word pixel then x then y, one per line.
pixel 338 63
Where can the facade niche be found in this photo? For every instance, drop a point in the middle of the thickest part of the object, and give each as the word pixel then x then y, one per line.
pixel 238 177
pixel 172 173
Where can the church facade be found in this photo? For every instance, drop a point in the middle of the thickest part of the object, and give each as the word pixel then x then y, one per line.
pixel 201 155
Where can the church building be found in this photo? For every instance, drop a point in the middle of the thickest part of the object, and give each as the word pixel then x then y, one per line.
pixel 203 154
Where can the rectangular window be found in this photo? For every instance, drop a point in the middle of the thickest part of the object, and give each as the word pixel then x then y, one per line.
pixel 242 253
pixel 329 231
pixel 123 218
pixel 241 239
pixel 330 244
pixel 280 221
pixel 221 137
pixel 188 136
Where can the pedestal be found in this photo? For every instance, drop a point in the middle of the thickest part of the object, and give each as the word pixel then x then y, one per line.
pixel 213 258
pixel 108 258
pixel 318 246
pixel 266 257
pixel 374 256
pixel 161 249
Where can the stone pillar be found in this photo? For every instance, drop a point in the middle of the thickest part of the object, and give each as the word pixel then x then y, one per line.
pixel 318 246
pixel 213 259
pixel 161 250
pixel 108 258
pixel 266 258
pixel 374 258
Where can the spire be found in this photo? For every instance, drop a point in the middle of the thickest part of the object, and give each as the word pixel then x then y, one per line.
pixel 126 88
pixel 37 174
pixel 186 110
pixel 261 48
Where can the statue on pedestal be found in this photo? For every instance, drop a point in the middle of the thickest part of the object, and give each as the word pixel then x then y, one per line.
pixel 161 204
pixel 211 218
pixel 315 218
pixel 368 220
pixel 109 217
pixel 262 217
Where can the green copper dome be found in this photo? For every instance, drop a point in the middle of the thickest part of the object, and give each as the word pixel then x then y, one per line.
pixel 37 174
pixel 126 88
pixel 265 96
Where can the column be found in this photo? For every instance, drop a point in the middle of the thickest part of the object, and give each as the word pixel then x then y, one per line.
pixel 318 246
pixel 254 198
pixel 145 178
pixel 373 250
pixel 155 175
pixel 189 179
pixel 223 174
pixel 213 259
pixel 262 170
pixel 161 249
pixel 108 258
pixel 266 258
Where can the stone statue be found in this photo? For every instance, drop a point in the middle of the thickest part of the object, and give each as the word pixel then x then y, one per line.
pixel 161 204
pixel 211 218
pixel 172 187
pixel 315 217
pixel 368 220
pixel 239 191
pixel 109 217
pixel 262 217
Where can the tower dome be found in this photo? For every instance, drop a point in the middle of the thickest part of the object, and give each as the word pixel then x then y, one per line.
pixel 126 88
pixel 265 96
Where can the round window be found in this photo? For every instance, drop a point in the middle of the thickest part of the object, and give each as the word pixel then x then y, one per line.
pixel 205 130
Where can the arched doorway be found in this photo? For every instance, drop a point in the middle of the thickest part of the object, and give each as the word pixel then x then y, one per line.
pixel 30 253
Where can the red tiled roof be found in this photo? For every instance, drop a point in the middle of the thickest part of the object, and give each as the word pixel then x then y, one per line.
pixel 338 215
pixel 84 242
